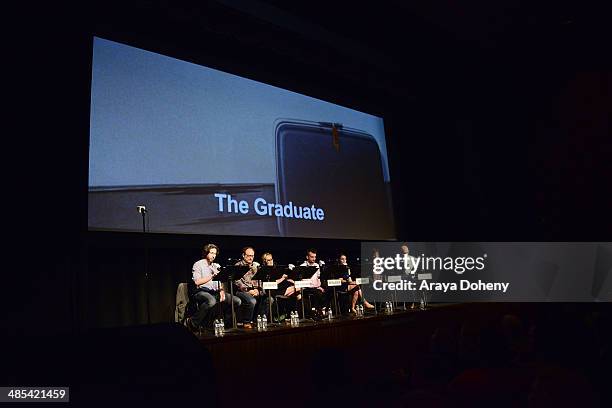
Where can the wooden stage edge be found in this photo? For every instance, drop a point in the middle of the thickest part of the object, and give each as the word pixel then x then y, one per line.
pixel 358 350
pixel 408 317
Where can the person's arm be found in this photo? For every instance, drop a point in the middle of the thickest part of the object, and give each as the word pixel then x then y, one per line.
pixel 349 278
pixel 254 284
pixel 316 280
pixel 240 285
pixel 199 277
pixel 291 267
pixel 243 287
pixel 282 278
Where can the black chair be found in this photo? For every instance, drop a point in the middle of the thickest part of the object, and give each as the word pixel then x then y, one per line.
pixel 280 300
pixel 193 306
pixel 344 301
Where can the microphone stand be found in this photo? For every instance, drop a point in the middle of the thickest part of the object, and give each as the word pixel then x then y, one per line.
pixel 143 211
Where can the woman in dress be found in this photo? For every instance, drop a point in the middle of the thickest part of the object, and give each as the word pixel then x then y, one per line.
pixel 351 287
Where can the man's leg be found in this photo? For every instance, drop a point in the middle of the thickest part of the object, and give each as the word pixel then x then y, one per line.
pixel 227 308
pixel 316 297
pixel 328 298
pixel 248 307
pixel 206 302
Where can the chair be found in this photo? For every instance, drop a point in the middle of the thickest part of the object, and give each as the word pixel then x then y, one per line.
pixel 282 301
pixel 186 306
pixel 277 300
pixel 344 301
pixel 182 301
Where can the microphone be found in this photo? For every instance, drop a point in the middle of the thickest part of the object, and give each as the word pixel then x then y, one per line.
pixel 141 209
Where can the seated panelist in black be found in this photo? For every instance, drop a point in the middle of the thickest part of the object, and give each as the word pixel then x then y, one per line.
pixel 286 287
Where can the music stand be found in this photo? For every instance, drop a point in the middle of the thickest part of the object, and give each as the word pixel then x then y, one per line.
pixel 230 274
pixel 385 277
pixel 270 274
pixel 358 273
pixel 298 273
pixel 413 295
pixel 331 273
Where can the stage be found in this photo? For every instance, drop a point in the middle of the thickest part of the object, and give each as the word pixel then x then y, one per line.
pixel 373 360
pixel 355 356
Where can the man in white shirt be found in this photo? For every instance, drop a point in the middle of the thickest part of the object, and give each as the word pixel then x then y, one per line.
pixel 319 296
pixel 209 291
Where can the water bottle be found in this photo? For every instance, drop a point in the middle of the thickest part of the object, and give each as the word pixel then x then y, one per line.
pixel 264 322
pixel 359 310
pixel 295 319
pixel 259 322
pixel 219 327
pixel 422 304
pixel 329 314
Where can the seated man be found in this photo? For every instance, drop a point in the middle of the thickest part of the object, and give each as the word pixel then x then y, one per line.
pixel 209 292
pixel 254 299
pixel 319 296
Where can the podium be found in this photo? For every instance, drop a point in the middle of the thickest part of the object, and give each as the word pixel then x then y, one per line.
pixel 230 274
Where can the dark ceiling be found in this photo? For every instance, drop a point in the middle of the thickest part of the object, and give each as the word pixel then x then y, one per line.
pixel 507 102
pixel 391 47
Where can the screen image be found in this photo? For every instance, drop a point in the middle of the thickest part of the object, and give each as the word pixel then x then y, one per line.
pixel 207 152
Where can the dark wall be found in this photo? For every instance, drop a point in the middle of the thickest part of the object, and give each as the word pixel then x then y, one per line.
pixel 499 135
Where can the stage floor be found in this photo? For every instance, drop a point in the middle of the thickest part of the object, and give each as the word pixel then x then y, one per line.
pixel 207 336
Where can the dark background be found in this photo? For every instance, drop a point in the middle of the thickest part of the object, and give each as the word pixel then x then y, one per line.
pixel 497 119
